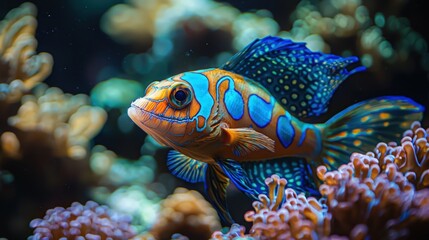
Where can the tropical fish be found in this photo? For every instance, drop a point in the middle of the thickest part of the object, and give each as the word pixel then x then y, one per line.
pixel 242 122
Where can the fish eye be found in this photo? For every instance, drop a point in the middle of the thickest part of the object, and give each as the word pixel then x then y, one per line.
pixel 180 96
pixel 150 86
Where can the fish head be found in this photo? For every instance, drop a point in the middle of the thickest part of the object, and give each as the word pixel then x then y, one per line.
pixel 171 114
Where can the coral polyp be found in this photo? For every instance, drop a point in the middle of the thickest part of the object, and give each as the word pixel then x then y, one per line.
pixel 377 195
pixel 89 221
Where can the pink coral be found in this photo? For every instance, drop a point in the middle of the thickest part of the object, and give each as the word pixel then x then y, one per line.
pixel 89 221
pixel 377 195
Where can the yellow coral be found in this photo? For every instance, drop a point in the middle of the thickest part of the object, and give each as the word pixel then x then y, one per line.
pixel 20 67
pixel 67 118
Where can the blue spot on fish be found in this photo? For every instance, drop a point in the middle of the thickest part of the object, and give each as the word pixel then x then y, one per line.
pixel 285 130
pixel 233 100
pixel 260 111
pixel 200 85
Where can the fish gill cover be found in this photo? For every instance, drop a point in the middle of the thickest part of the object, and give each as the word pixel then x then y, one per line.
pixel 63 149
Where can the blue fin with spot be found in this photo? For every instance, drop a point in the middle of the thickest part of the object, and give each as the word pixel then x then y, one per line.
pixel 239 177
pixel 301 80
pixel 296 171
pixel 360 127
pixel 185 167
pixel 215 185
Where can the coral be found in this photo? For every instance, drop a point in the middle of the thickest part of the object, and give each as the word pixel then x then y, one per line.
pixel 283 215
pixel 411 156
pixel 377 195
pixel 89 221
pixel 9 145
pixel 66 120
pixel 20 67
pixel 185 212
pixel 383 38
pixel 134 21
pixel 143 20
pixel 236 231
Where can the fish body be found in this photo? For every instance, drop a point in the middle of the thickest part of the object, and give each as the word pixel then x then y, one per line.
pixel 225 100
pixel 242 122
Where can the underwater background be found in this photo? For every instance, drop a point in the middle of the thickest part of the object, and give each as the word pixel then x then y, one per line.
pixel 69 69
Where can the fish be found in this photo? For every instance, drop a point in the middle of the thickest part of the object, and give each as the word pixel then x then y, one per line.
pixel 244 121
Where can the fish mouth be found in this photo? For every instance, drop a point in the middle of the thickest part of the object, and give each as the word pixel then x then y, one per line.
pixel 141 115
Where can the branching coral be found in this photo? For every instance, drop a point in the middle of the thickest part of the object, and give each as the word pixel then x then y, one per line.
pixel 20 67
pixel 67 121
pixel 89 221
pixel 185 212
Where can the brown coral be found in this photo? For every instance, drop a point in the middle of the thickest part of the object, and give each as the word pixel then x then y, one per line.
pixel 66 121
pixel 20 67
pixel 185 212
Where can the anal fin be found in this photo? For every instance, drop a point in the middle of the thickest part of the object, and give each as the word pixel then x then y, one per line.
pixel 215 186
pixel 239 177
pixel 246 140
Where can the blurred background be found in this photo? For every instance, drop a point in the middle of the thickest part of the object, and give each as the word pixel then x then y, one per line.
pixel 111 50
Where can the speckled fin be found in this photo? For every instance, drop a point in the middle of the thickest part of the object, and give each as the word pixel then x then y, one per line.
pixel 296 171
pixel 303 81
pixel 185 167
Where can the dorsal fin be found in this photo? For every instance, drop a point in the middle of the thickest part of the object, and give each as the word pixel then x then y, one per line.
pixel 301 80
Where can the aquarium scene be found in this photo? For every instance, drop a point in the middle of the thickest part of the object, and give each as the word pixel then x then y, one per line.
pixel 214 119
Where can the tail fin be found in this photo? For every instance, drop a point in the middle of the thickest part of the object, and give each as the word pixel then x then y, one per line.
pixel 361 126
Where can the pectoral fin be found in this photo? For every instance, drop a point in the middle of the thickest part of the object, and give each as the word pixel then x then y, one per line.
pixel 246 140
pixel 185 167
pixel 215 186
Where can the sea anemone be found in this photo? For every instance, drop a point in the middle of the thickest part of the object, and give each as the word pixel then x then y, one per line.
pixel 89 221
